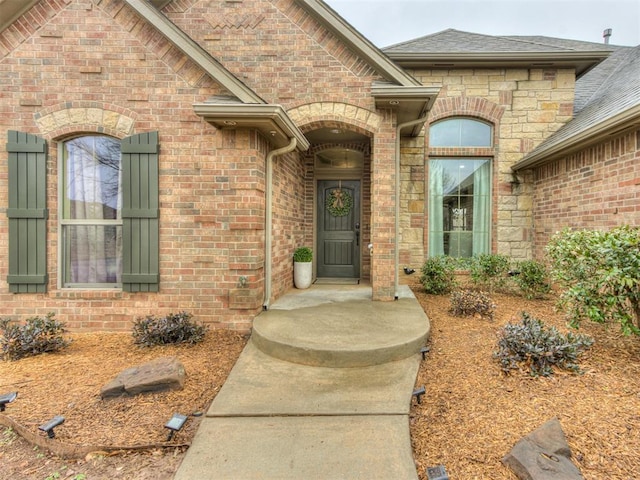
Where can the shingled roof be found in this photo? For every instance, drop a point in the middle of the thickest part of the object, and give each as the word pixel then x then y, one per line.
pixel 455 48
pixel 609 102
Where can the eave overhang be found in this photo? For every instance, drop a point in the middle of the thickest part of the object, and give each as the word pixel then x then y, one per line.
pixel 582 62
pixel 357 42
pixel 409 103
pixel 271 120
pixel 615 125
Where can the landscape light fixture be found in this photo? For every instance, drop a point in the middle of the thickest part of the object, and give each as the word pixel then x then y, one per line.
pixel 7 398
pixel 418 393
pixel 51 424
pixel 437 473
pixel 424 351
pixel 174 424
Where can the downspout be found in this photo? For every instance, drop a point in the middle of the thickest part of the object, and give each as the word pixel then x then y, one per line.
pixel 399 128
pixel 269 216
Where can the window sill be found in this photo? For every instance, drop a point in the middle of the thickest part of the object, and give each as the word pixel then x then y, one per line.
pixel 88 294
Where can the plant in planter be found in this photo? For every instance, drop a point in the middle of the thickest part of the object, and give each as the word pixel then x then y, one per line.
pixel 302 267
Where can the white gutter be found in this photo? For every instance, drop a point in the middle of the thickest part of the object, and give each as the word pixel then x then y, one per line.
pixel 399 129
pixel 268 241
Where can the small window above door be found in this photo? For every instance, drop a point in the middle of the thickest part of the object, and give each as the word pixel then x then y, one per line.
pixel 344 159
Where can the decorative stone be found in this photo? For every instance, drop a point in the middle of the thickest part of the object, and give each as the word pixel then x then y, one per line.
pixel 165 373
pixel 543 455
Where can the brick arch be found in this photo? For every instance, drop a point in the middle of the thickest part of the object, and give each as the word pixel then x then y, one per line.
pixel 69 118
pixel 334 114
pixel 468 107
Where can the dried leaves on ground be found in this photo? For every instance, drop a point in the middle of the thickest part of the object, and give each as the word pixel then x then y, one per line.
pixel 473 414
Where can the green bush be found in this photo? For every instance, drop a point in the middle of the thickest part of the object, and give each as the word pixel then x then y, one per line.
pixel 173 328
pixel 489 270
pixel 303 254
pixel 438 275
pixel 37 335
pixel 531 343
pixel 532 278
pixel 465 303
pixel 599 272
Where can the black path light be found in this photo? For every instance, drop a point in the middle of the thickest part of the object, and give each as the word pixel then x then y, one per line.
pixel 418 393
pixel 175 424
pixel 437 473
pixel 7 398
pixel 51 424
pixel 424 351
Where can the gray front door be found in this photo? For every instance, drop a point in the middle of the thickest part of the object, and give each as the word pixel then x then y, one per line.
pixel 338 249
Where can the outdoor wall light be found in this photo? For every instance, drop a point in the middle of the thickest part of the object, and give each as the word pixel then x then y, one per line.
pixel 437 473
pixel 408 271
pixel 424 351
pixel 418 393
pixel 175 424
pixel 51 424
pixel 7 398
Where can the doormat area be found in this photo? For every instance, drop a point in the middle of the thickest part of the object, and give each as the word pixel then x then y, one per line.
pixel 337 281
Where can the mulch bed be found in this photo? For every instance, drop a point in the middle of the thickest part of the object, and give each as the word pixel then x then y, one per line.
pixel 473 414
pixel 68 383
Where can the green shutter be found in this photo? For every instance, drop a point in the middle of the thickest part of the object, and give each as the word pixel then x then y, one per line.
pixel 27 213
pixel 140 213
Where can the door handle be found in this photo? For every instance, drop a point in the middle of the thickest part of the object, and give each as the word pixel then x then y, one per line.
pixel 357 234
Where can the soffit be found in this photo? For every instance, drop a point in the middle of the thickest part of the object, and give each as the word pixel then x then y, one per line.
pixel 271 120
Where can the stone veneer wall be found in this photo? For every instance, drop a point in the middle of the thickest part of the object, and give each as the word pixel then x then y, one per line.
pixel 596 188
pixel 525 107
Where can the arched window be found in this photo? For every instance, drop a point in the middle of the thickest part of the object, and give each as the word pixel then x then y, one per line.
pixel 460 190
pixel 91 212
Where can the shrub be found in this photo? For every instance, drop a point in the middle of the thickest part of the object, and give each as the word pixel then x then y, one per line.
pixel 600 274
pixel 532 278
pixel 438 275
pixel 303 254
pixel 173 328
pixel 465 303
pixel 37 335
pixel 539 347
pixel 489 270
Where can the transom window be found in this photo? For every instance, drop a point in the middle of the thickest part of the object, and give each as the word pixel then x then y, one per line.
pixel 91 190
pixel 459 191
pixel 460 132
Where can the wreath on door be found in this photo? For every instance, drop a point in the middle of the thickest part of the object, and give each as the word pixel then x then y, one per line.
pixel 339 202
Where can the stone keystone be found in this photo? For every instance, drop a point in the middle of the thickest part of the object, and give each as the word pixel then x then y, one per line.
pixel 165 373
pixel 543 455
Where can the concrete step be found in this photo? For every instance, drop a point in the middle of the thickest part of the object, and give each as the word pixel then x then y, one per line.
pixel 355 333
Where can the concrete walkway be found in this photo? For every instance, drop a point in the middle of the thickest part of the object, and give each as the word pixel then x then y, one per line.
pixel 329 400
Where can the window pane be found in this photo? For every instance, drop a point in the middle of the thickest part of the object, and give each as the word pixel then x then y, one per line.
pixel 459 207
pixel 92 254
pixel 92 178
pixel 460 132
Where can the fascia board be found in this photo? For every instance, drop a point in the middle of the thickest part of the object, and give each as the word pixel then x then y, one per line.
pixel 358 43
pixel 272 120
pixel 625 120
pixel 582 61
pixel 409 103
pixel 194 51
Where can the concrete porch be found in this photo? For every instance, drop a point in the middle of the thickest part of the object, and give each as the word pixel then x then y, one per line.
pixel 322 390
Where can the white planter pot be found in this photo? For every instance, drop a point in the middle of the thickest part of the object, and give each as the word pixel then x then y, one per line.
pixel 302 274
